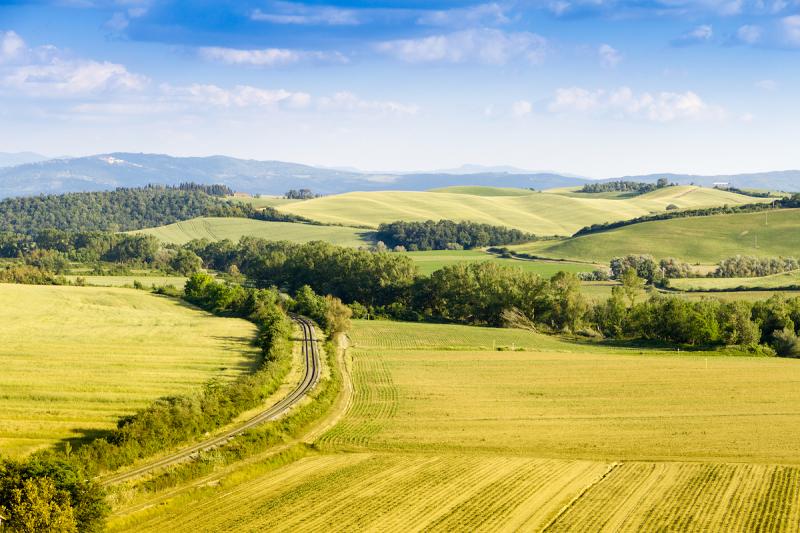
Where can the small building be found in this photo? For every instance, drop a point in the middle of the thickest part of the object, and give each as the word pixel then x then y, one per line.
pixel 721 185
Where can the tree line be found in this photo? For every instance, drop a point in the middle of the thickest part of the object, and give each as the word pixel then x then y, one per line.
pixel 448 235
pixel 781 203
pixel 625 186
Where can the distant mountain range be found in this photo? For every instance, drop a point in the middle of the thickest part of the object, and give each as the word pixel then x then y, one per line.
pixel 20 158
pixel 39 175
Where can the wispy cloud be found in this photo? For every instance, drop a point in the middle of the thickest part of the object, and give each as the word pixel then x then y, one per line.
pixel 609 56
pixel 698 35
pixel 749 34
pixel 521 108
pixel 481 14
pixel 624 103
pixel 268 57
pixel 487 46
pixel 302 14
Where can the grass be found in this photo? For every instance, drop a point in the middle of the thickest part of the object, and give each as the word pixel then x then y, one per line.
pixel 128 281
pixel 446 433
pixel 263 201
pixel 75 359
pixel 216 229
pixel 539 213
pixel 601 290
pixel 431 261
pixel 776 281
pixel 696 239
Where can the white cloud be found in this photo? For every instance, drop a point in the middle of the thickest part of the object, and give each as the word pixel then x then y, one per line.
pixel 247 96
pixel 488 46
pixel 698 35
pixel 491 13
pixel 767 85
pixel 299 14
pixel 521 108
pixel 11 46
pixel 44 71
pixel 624 103
pixel 347 101
pixel 268 57
pixel 609 56
pixel 790 27
pixel 240 96
pixel 749 34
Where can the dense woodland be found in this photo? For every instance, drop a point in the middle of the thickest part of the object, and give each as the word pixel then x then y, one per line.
pixel 125 209
pixel 448 235
pixel 635 187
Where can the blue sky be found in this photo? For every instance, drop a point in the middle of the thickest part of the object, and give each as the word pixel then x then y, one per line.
pixel 591 87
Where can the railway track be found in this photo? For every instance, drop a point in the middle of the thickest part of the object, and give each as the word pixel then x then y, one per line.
pixel 311 376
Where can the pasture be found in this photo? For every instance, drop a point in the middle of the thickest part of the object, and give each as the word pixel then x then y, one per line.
pixel 774 282
pixel 75 359
pixel 217 229
pixel 128 281
pixel 430 261
pixel 446 432
pixel 697 239
pixel 535 212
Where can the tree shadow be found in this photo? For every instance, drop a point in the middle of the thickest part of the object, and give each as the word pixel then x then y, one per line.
pixel 82 436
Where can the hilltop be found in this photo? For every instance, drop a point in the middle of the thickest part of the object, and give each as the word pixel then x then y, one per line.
pixel 541 213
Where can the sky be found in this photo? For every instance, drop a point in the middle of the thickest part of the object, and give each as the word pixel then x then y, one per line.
pixel 597 88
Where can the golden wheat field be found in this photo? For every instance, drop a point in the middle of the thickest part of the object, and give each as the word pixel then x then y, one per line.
pixel 456 428
pixel 75 359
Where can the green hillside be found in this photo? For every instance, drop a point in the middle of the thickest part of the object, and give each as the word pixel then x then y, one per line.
pixel 216 229
pixel 431 261
pixel 776 281
pixel 539 213
pixel 696 239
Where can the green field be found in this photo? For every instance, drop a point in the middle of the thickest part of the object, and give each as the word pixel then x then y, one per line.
pixel 696 239
pixel 447 433
pixel 75 359
pixel 535 212
pixel 128 281
pixel 431 261
pixel 597 291
pixel 774 282
pixel 264 201
pixel 217 229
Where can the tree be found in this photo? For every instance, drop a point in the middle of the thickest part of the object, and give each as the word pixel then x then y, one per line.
pixel 337 316
pixel 568 306
pixel 786 342
pixel 37 505
pixel 185 262
pixel 661 183
pixel 632 285
pixel 737 326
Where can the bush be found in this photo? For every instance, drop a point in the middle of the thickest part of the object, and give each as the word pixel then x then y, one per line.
pixel 786 342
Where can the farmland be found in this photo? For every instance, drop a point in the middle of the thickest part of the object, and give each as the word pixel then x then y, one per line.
pixel 75 359
pixel 533 212
pixel 128 281
pixel 216 229
pixel 446 432
pixel 434 260
pixel 696 239
pixel 776 281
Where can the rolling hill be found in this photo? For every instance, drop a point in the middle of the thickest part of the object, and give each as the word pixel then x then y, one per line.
pixel 535 212
pixel 216 229
pixel 696 239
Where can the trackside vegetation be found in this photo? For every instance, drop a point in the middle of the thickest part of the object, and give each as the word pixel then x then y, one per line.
pixel 43 485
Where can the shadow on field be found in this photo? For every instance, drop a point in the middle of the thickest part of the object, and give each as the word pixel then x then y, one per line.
pixel 83 436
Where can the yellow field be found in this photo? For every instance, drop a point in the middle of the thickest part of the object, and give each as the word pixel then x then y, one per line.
pixel 216 229
pixel 127 281
pixel 446 433
pixel 75 359
pixel 539 213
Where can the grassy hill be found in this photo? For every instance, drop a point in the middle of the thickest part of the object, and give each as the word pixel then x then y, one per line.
pixel 75 359
pixel 776 281
pixel 434 260
pixel 216 229
pixel 539 213
pixel 444 432
pixel 697 239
